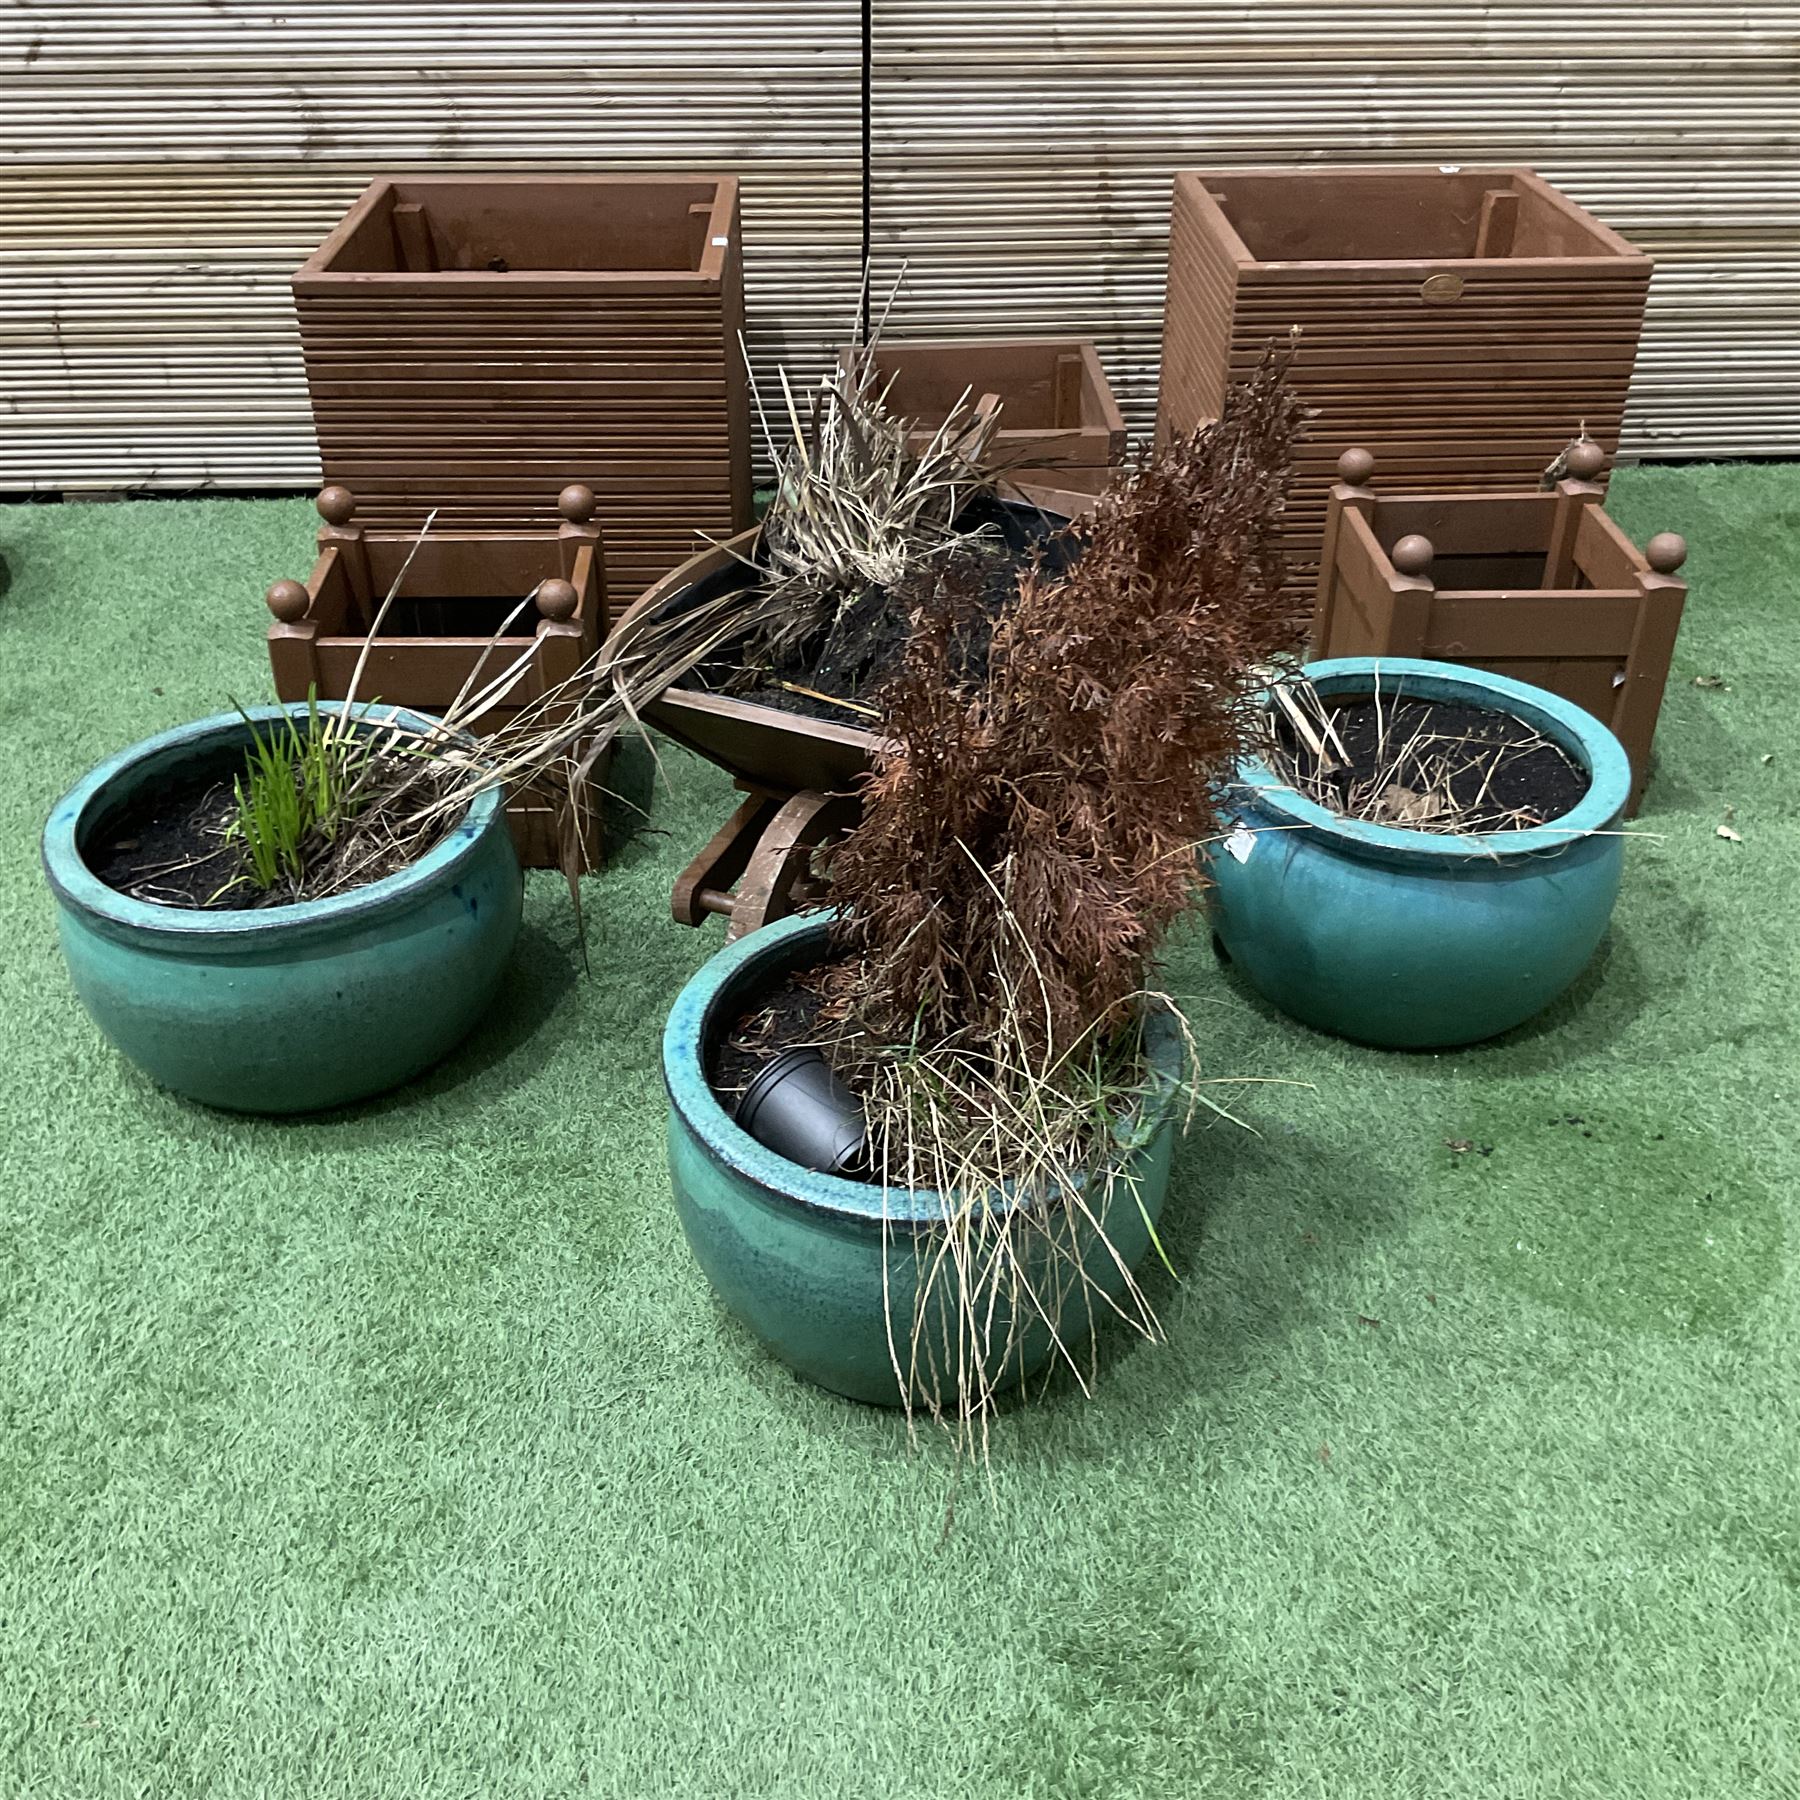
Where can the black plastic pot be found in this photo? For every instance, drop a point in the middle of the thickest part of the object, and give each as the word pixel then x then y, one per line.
pixel 798 1108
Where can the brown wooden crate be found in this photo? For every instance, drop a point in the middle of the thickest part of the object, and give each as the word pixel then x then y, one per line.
pixel 321 651
pixel 1042 423
pixel 434 386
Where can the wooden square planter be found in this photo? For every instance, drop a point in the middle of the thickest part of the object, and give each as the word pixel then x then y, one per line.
pixel 1463 326
pixel 476 342
pixel 459 590
pixel 1057 407
pixel 1543 587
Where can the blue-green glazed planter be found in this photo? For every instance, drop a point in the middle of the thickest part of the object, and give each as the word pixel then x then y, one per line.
pixel 801 1258
pixel 1410 939
pixel 287 1008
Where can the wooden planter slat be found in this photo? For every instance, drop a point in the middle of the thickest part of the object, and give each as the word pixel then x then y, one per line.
pixel 376 395
pixel 1603 552
pixel 1057 410
pixel 1462 325
pixel 321 629
pixel 1471 526
pixel 527 469
pixel 573 401
pixel 604 352
pixel 1478 626
pixel 1540 586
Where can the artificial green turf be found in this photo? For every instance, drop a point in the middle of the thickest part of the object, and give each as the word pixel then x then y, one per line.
pixel 403 1452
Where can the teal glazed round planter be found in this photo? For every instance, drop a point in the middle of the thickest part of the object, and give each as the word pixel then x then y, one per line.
pixel 1408 939
pixel 801 1258
pixel 287 1008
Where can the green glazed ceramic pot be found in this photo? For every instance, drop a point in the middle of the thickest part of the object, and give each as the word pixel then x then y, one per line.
pixel 802 1258
pixel 286 1008
pixel 1412 939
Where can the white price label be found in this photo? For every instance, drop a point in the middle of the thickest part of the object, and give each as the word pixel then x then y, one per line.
pixel 1241 842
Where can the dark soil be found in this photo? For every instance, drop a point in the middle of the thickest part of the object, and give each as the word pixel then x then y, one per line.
pixel 167 845
pixel 1500 773
pixel 473 616
pixel 866 646
pixel 782 1018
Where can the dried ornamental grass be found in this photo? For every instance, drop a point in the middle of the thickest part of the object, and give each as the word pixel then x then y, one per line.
pixel 1071 786
pixel 391 787
pixel 1026 837
pixel 856 507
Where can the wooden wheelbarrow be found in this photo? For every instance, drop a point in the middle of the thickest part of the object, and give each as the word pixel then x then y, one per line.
pixel 800 777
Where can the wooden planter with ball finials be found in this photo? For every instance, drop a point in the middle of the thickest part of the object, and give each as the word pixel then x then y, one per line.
pixel 459 590
pixel 1541 586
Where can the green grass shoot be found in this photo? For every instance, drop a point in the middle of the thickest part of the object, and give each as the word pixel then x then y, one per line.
pixel 298 788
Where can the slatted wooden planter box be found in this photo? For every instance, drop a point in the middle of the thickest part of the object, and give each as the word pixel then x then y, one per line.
pixel 460 589
pixel 1543 587
pixel 1463 326
pixel 1057 410
pixel 476 343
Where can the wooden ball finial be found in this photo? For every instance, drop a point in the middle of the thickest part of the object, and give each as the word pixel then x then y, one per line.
pixel 1666 552
pixel 576 503
pixel 1355 467
pixel 335 504
pixel 556 600
pixel 1586 459
pixel 288 601
pixel 1413 554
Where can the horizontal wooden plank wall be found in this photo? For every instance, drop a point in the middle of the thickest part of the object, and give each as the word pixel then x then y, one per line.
pixel 165 166
pixel 1024 149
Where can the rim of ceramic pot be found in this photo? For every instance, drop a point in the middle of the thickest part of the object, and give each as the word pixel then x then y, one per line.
pixel 727 978
pixel 1572 728
pixel 78 888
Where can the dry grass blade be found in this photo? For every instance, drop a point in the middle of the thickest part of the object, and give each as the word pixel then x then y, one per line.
pixel 1032 1170
pixel 855 504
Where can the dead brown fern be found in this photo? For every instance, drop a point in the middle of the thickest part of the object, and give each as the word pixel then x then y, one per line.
pixel 1034 830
